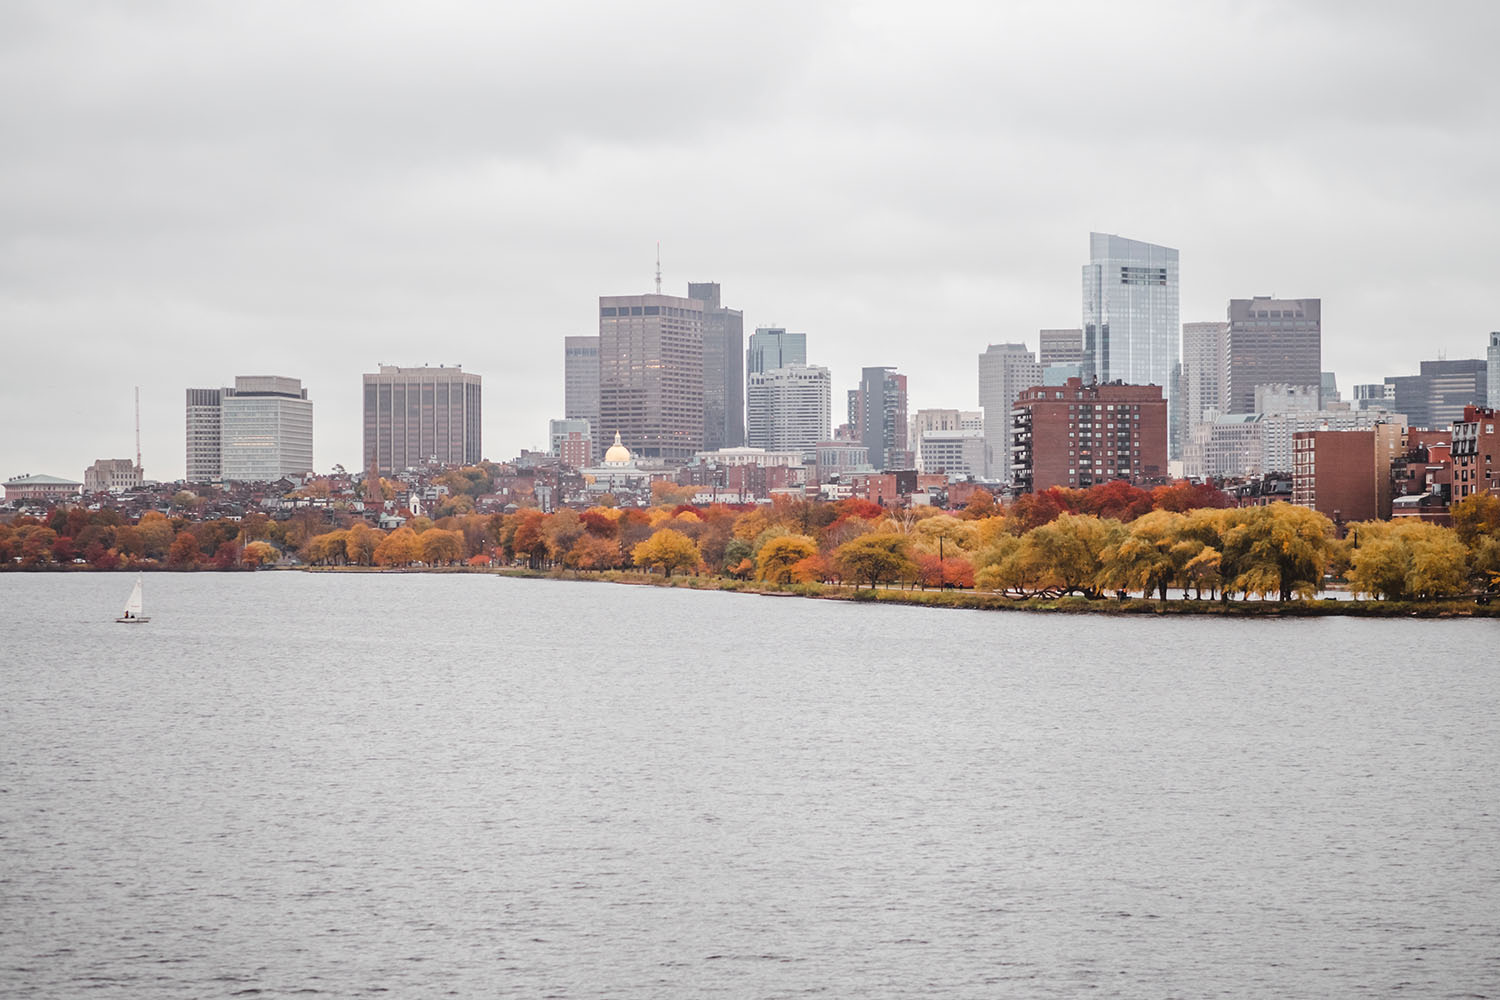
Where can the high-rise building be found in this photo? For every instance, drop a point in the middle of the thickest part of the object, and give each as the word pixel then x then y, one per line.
pixel 723 386
pixel 1273 340
pixel 203 434
pixel 1205 372
pixel 772 347
pixel 789 408
pixel 877 415
pixel 258 431
pixel 651 374
pixel 1005 370
pixel 414 416
pixel 1492 366
pixel 581 383
pixel 1080 435
pixel 266 429
pixel 1061 347
pixel 1130 310
pixel 1436 397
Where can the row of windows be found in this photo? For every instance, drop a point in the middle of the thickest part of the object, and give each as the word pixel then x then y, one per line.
pixel 608 311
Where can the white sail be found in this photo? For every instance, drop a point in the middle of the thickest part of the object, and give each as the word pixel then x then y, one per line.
pixel 133 604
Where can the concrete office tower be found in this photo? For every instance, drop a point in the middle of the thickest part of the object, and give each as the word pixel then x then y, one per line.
pixel 1492 361
pixel 203 435
pixel 1273 340
pixel 773 347
pixel 1436 397
pixel 1005 371
pixel 1061 347
pixel 651 375
pixel 723 386
pixel 789 408
pixel 265 429
pixel 1130 325
pixel 581 383
pixel 414 416
pixel 1205 372
pixel 877 415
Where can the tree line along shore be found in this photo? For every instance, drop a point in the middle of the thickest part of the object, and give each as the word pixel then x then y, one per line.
pixel 1058 549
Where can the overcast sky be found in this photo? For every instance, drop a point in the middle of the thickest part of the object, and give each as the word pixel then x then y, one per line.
pixel 195 190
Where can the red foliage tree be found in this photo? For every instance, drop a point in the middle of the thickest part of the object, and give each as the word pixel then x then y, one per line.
pixel 1183 496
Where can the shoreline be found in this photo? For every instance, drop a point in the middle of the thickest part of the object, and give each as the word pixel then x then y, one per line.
pixel 980 600
pixel 970 600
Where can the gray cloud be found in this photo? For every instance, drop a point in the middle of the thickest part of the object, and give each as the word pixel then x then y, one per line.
pixel 192 191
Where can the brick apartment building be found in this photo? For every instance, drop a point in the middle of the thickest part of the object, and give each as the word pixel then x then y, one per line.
pixel 1081 435
pixel 1346 475
pixel 1476 453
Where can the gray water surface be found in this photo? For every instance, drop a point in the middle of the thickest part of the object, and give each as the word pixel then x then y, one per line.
pixel 424 785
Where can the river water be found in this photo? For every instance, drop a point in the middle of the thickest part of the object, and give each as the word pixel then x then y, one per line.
pixel 427 785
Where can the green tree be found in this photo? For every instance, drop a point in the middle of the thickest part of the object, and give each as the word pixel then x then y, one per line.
pixel 875 557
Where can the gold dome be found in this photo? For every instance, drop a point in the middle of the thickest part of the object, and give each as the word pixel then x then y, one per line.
pixel 617 454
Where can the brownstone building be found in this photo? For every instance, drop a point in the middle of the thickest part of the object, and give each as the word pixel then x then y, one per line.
pixel 1081 435
pixel 1476 453
pixel 1346 475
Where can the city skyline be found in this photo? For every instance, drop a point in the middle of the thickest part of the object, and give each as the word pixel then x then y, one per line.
pixel 172 218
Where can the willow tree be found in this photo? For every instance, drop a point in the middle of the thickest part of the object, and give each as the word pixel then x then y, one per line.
pixel 1147 556
pixel 1279 549
pixel 1407 559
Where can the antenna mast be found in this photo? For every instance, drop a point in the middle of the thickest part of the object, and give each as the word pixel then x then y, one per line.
pixel 138 430
pixel 658 267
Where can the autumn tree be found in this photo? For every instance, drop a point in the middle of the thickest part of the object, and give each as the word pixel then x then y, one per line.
pixel 1145 557
pixel 593 552
pixel 441 548
pixel 258 554
pixel 1279 549
pixel 401 547
pixel 876 557
pixel 1406 559
pixel 777 559
pixel 667 550
pixel 184 553
pixel 360 544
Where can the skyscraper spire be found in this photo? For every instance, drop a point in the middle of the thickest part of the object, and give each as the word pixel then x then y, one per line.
pixel 658 267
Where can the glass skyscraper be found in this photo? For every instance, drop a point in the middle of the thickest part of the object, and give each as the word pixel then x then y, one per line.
pixel 1131 329
pixel 1130 324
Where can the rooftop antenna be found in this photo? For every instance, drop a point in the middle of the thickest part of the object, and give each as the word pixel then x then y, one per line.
pixel 658 267
pixel 137 430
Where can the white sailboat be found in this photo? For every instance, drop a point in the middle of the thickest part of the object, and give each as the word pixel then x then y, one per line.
pixel 132 613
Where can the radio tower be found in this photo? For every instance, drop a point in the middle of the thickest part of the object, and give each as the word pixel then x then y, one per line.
pixel 138 473
pixel 658 267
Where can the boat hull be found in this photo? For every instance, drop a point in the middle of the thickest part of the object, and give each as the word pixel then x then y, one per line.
pixel 132 621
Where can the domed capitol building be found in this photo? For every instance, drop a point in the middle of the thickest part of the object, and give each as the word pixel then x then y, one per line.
pixel 618 471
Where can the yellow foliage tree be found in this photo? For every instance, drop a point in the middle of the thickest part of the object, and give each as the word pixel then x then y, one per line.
pixel 779 557
pixel 668 550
